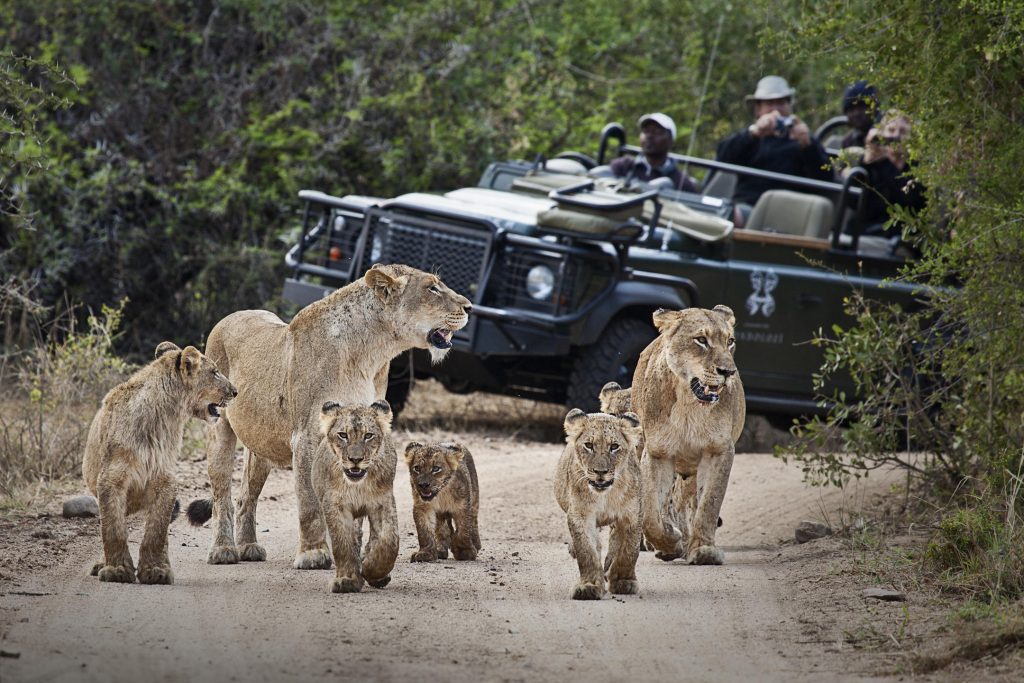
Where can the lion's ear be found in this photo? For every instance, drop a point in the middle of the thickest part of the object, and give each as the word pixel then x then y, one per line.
pixel 384 415
pixel 188 361
pixel 328 412
pixel 165 347
pixel 664 319
pixel 609 388
pixel 383 286
pixel 453 454
pixel 730 317
pixel 631 420
pixel 573 421
pixel 410 451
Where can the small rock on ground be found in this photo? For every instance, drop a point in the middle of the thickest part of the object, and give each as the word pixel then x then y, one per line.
pixel 81 506
pixel 808 531
pixel 886 594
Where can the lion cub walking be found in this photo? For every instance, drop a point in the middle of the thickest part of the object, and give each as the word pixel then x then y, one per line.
pixel 132 448
pixel 446 501
pixel 353 476
pixel 597 483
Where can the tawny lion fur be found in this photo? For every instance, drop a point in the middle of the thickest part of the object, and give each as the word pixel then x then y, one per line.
pixel 131 451
pixel 338 348
pixel 353 477
pixel 597 483
pixel 445 501
pixel 689 397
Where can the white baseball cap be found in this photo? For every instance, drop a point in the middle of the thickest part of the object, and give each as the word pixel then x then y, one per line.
pixel 663 120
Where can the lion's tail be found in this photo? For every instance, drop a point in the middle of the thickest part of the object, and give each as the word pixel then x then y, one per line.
pixel 199 511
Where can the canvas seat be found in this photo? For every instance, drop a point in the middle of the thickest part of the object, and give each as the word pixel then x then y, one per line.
pixel 792 213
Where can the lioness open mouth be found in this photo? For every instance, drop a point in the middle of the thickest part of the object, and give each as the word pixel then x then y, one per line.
pixel 213 409
pixel 428 496
pixel 354 473
pixel 440 338
pixel 601 485
pixel 705 393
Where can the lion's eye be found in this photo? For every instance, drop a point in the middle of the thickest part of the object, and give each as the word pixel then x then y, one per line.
pixel 435 469
pixel 343 436
pixel 701 341
pixel 369 437
pixel 434 289
pixel 614 447
pixel 416 469
pixel 589 445
pixel 732 342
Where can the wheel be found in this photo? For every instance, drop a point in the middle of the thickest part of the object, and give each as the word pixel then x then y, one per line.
pixel 612 358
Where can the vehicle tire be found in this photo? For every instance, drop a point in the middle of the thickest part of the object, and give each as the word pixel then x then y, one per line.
pixel 612 358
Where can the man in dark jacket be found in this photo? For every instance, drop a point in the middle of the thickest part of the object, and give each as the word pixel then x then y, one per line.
pixel 860 104
pixel 777 141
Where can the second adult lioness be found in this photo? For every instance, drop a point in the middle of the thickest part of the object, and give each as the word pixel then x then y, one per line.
pixel 597 483
pixel 337 347
pixel 353 477
pixel 445 501
pixel 689 397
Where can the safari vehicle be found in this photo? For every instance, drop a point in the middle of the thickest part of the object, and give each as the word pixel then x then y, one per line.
pixel 565 267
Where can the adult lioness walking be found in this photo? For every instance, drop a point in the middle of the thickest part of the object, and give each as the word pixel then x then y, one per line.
pixel 690 400
pixel 338 347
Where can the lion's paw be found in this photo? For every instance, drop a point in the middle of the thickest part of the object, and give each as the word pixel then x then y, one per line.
pixel 624 586
pixel 423 556
pixel 314 558
pixel 707 554
pixel 345 584
pixel 587 591
pixel 252 552
pixel 464 553
pixel 442 554
pixel 117 574
pixel 222 554
pixel 156 575
pixel 96 568
pixel 381 582
pixel 667 557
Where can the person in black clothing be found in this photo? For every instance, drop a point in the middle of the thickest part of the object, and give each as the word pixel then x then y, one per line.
pixel 890 180
pixel 860 104
pixel 777 141
pixel 657 132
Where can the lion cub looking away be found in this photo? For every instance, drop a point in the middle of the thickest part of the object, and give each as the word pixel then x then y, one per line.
pixel 597 483
pixel 445 501
pixel 132 448
pixel 353 476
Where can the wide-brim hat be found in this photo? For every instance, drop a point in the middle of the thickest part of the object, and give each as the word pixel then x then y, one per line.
pixel 663 120
pixel 771 88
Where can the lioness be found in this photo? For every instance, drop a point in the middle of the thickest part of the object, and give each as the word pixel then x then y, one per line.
pixel 131 450
pixel 340 346
pixel 597 483
pixel 445 494
pixel 690 400
pixel 353 477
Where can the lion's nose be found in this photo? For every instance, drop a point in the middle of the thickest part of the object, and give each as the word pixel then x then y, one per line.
pixel 234 392
pixel 468 307
pixel 726 372
pixel 600 473
pixel 356 459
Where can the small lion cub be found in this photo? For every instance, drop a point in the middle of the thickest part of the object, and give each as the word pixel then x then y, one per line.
pixel 446 500
pixel 597 483
pixel 132 449
pixel 353 476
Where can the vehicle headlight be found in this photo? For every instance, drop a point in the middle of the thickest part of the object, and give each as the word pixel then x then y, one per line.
pixel 376 248
pixel 540 282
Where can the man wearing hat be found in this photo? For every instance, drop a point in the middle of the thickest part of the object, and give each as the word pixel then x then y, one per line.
pixel 777 141
pixel 860 104
pixel 657 132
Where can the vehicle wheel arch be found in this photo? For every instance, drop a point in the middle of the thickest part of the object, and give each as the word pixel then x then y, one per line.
pixel 629 300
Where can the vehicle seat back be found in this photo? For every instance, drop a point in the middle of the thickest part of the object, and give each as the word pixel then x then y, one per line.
pixel 792 213
pixel 721 184
pixel 570 166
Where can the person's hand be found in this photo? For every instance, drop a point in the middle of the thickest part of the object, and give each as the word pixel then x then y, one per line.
pixel 800 132
pixel 765 125
pixel 872 150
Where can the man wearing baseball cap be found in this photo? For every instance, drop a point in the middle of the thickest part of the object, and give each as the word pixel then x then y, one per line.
pixel 777 141
pixel 657 132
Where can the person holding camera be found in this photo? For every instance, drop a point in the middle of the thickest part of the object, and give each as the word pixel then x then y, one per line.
pixel 890 181
pixel 776 141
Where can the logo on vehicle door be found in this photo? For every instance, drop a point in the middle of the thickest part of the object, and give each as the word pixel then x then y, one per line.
pixel 761 299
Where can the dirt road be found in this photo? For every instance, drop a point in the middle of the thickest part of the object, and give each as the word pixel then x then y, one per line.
pixel 505 617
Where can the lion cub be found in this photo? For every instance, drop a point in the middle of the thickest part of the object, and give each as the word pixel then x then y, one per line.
pixel 132 448
pixel 353 476
pixel 597 483
pixel 446 501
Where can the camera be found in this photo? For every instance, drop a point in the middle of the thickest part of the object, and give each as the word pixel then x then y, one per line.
pixel 783 124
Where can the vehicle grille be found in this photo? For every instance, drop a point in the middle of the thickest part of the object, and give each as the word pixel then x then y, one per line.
pixel 514 268
pixel 456 254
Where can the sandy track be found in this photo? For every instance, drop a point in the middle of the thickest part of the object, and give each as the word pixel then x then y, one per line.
pixel 504 617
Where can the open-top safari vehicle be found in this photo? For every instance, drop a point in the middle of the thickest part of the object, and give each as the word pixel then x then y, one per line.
pixel 565 266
